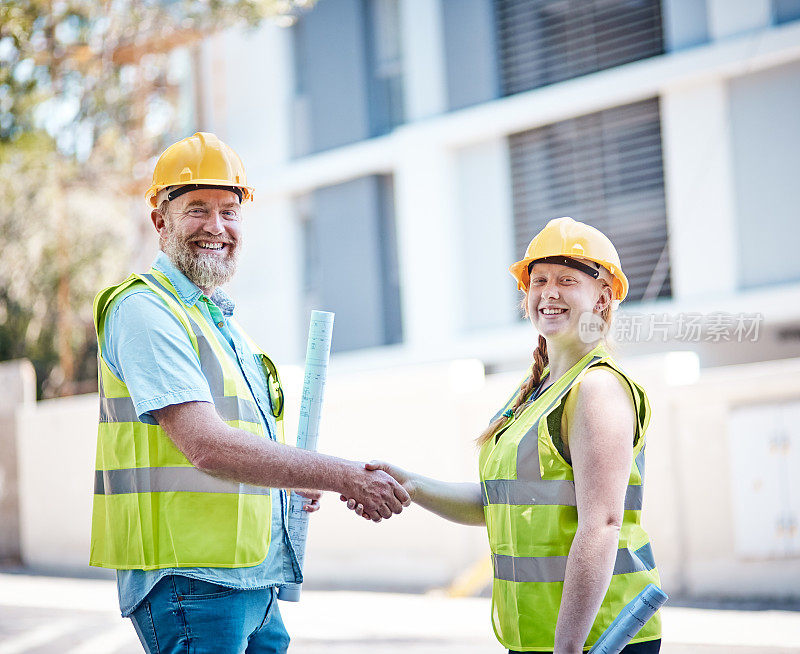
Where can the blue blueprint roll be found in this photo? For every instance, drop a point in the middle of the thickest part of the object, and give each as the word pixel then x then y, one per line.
pixel 630 620
pixel 318 351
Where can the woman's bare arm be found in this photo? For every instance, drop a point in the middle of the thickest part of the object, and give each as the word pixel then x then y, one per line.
pixel 601 446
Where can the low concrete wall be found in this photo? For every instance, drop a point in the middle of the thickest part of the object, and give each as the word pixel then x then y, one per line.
pixel 17 389
pixel 56 477
pixel 425 418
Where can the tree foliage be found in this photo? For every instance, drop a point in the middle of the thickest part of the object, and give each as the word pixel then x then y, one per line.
pixel 88 97
pixel 57 244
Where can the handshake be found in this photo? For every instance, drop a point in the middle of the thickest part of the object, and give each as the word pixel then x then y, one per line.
pixel 379 492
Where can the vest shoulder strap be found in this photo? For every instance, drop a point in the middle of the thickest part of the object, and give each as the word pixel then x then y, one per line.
pixel 640 405
pixel 161 287
pixel 104 299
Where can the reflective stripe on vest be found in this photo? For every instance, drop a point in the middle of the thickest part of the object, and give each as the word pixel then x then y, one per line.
pixel 121 409
pixel 230 407
pixel 209 364
pixel 530 507
pixel 554 491
pixel 553 568
pixel 167 480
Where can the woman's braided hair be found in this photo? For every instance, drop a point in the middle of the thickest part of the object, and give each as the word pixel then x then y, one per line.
pixel 539 364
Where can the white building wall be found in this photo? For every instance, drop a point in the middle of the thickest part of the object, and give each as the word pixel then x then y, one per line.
pixel 428 256
pixel 699 187
pixel 765 151
pixel 728 18
pixel 268 285
pixel 424 86
pixel 484 237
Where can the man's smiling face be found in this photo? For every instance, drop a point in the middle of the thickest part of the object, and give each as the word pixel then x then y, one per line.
pixel 201 233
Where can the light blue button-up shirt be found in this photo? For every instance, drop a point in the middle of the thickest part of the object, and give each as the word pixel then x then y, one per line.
pixel 146 346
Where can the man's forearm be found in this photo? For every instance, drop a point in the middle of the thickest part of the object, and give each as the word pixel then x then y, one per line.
pixel 241 456
pixel 214 447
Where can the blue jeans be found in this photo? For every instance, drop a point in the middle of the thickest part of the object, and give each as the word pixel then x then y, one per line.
pixel 190 616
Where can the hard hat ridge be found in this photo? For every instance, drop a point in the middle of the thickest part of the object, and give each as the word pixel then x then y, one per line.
pixel 201 159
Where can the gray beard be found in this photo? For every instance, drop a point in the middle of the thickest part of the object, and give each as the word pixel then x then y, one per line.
pixel 207 271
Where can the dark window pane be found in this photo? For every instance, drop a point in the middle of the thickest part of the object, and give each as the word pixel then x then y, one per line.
pixel 785 10
pixel 548 41
pixel 350 261
pixel 604 169
pixel 385 64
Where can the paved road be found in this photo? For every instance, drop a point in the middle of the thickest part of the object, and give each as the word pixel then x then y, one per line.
pixel 45 615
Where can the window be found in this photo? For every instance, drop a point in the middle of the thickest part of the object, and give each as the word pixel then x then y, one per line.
pixel 350 261
pixel 348 73
pixel 385 63
pixel 604 169
pixel 547 41
pixel 785 10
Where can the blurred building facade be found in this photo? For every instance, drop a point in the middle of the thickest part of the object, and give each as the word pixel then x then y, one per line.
pixel 404 152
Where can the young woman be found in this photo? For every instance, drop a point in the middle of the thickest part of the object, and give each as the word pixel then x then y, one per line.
pixel 562 463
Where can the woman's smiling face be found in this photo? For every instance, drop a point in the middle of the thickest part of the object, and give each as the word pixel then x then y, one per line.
pixel 559 295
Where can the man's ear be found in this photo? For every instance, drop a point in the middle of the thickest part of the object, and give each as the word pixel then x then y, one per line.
pixel 158 219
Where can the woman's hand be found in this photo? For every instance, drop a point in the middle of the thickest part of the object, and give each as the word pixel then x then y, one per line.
pixel 314 495
pixel 457 502
pixel 401 476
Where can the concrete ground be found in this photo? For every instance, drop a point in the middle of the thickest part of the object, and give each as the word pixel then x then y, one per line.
pixel 47 615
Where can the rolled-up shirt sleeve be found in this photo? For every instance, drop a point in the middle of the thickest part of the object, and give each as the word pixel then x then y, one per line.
pixel 148 348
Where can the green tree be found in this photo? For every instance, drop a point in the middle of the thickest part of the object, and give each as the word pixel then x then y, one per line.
pixel 86 100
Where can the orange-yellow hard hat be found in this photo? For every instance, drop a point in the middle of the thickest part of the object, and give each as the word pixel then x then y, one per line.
pixel 200 159
pixel 570 238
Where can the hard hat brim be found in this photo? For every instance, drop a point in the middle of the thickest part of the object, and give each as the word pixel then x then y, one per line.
pixel 247 191
pixel 619 283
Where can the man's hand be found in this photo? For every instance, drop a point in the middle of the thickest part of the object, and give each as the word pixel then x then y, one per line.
pixel 310 494
pixel 377 493
pixel 398 474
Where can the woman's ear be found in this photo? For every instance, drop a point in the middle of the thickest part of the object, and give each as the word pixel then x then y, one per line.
pixel 604 300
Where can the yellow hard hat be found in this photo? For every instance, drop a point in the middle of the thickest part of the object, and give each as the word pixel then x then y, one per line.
pixel 202 160
pixel 566 237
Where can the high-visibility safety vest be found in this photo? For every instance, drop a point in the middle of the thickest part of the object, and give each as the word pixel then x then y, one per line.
pixel 531 515
pixel 152 508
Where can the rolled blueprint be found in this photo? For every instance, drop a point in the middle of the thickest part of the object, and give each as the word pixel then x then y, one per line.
pixel 317 354
pixel 630 620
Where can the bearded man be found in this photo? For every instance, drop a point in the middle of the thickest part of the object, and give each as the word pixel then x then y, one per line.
pixel 190 503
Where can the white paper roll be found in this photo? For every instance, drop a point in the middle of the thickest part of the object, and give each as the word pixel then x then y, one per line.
pixel 630 620
pixel 318 352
